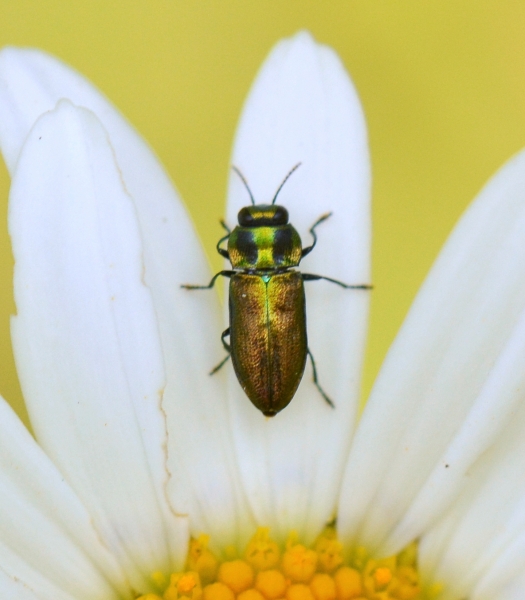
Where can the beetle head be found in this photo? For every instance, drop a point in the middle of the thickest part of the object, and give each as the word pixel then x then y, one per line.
pixel 263 215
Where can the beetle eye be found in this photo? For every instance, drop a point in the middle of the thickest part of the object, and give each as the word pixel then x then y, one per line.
pixel 280 216
pixel 245 217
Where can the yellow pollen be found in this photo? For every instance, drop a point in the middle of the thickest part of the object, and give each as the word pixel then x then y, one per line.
pixel 184 585
pixel 272 584
pixel 267 571
pixel 201 560
pixel 237 575
pixel 323 587
pixel 218 591
pixel 299 591
pixel 187 584
pixel 348 583
pixel 329 551
pixel 299 563
pixel 250 595
pixel 261 552
pixel 382 576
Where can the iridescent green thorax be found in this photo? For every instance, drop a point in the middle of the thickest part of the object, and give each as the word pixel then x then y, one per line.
pixel 264 239
pixel 264 247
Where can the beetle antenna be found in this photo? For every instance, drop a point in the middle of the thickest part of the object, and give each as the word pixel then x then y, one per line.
pixel 284 181
pixel 245 183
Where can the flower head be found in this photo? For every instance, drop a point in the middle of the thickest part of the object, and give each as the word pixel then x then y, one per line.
pixel 153 480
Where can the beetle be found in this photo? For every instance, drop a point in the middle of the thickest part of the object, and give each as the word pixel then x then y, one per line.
pixel 268 338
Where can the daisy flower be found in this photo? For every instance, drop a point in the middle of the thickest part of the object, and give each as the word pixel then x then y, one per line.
pixel 152 480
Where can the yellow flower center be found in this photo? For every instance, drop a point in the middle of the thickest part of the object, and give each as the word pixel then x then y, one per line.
pixel 267 572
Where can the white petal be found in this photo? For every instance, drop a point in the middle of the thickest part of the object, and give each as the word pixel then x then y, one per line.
pixel 506 577
pixel 514 590
pixel 204 478
pixel 14 589
pixel 47 541
pixel 478 547
pixel 303 108
pixel 451 379
pixel 85 337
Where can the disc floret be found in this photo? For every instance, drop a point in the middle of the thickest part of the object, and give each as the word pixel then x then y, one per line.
pixel 266 571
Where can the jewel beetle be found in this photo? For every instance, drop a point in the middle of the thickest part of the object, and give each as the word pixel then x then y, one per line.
pixel 268 339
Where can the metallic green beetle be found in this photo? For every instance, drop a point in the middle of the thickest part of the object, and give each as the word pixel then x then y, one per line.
pixel 268 341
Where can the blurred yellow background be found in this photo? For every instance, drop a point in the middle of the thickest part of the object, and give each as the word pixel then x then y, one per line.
pixel 442 83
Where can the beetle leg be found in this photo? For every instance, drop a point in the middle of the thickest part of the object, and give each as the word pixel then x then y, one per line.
pixel 227 347
pixel 212 282
pixel 224 226
pixel 312 277
pixel 220 365
pixel 321 391
pixel 308 249
pixel 224 334
pixel 220 250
